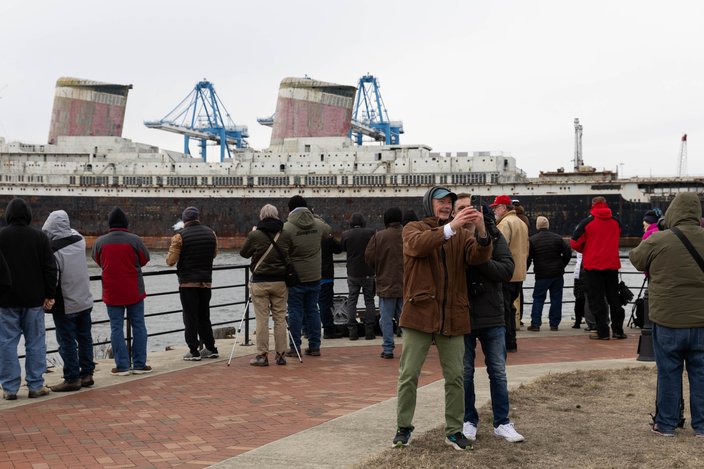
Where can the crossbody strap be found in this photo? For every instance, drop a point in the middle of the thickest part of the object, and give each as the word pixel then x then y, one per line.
pixel 276 246
pixel 273 242
pixel 689 247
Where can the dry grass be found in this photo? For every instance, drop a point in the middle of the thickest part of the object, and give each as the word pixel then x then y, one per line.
pixel 583 419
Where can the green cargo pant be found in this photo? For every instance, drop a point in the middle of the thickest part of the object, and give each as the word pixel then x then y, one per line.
pixel 415 349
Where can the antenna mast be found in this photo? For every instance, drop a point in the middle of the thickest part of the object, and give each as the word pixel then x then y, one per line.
pixel 578 161
pixel 682 168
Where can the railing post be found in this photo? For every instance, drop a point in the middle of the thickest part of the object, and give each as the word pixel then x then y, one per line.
pixel 247 305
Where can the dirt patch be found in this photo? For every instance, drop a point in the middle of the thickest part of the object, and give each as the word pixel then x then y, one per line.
pixel 583 419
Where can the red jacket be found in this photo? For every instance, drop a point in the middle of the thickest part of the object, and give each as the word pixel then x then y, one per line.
pixel 121 255
pixel 596 237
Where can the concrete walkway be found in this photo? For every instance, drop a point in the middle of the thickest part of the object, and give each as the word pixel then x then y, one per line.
pixel 312 415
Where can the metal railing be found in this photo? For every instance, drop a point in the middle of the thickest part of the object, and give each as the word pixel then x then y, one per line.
pixel 244 320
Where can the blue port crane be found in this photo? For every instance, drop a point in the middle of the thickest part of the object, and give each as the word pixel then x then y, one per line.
pixel 369 115
pixel 199 116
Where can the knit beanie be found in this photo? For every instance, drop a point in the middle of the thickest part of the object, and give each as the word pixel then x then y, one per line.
pixel 542 223
pixel 190 214
pixel 117 218
pixel 392 215
pixel 295 202
pixel 650 217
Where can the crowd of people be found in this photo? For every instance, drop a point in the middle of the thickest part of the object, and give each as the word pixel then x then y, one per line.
pixel 45 271
pixel 450 278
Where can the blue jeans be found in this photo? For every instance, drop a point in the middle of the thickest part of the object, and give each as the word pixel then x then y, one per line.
pixel 542 286
pixel 135 314
pixel 29 322
pixel 493 340
pixel 75 344
pixel 675 348
pixel 389 309
pixel 303 302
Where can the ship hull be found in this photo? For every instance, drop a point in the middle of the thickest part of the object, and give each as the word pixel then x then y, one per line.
pixel 233 217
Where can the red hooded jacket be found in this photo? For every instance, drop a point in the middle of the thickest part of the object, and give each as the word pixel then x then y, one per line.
pixel 596 237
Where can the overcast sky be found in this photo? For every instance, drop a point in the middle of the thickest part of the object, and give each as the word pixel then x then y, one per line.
pixel 462 75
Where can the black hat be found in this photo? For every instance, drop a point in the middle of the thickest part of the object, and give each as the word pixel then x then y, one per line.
pixel 295 202
pixel 650 217
pixel 392 215
pixel 117 218
pixel 190 214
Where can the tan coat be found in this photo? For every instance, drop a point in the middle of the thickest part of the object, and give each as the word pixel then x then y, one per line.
pixel 516 234
pixel 434 281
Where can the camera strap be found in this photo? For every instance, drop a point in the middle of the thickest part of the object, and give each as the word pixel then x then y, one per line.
pixel 689 247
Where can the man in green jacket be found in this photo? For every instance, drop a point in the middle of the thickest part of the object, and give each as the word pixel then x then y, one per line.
pixel 301 238
pixel 675 298
pixel 436 251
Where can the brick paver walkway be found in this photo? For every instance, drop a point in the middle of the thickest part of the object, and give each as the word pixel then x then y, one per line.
pixel 203 415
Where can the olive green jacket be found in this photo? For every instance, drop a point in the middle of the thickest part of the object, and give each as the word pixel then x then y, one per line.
pixel 676 283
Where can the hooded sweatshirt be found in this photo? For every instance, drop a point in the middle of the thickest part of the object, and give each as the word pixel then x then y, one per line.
pixel 676 286
pixel 29 259
pixel 596 237
pixel 73 294
pixel 302 235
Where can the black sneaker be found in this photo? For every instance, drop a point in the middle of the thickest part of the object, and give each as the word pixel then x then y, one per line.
pixel 403 436
pixel 387 355
pixel 313 352
pixel 459 441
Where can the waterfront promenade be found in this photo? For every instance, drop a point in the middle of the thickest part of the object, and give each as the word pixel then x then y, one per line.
pixel 330 411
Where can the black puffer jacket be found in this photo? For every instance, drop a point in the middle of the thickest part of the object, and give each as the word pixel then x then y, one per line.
pixel 484 285
pixel 550 253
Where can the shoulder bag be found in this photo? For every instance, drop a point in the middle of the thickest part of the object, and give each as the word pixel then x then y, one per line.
pixel 292 278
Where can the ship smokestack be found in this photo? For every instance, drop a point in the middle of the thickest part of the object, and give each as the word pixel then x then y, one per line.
pixel 87 108
pixel 311 109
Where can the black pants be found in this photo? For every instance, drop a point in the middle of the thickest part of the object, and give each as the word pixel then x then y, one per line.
pixel 196 317
pixel 325 304
pixel 511 291
pixel 602 288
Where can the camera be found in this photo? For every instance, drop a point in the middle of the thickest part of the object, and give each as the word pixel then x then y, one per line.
pixel 475 289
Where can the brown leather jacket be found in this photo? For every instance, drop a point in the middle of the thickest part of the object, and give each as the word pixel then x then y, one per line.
pixel 434 282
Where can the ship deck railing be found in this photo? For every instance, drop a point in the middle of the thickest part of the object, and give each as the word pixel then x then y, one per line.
pixel 242 320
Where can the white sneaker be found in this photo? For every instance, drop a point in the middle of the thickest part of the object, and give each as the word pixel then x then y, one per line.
pixel 470 431
pixel 508 433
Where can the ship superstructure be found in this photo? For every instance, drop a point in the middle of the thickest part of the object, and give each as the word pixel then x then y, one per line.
pixel 310 154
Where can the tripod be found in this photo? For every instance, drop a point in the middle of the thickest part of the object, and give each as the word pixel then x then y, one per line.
pixel 239 328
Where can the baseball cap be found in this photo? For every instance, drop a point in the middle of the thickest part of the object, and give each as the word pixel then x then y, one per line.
pixel 501 200
pixel 441 192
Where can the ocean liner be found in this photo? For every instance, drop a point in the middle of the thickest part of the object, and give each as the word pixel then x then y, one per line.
pixel 87 168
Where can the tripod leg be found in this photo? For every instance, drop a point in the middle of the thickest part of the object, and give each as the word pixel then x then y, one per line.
pixel 237 331
pixel 293 343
